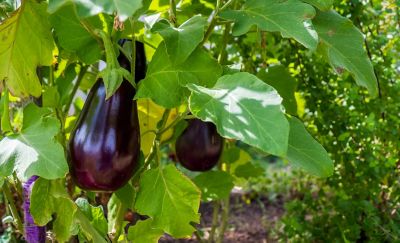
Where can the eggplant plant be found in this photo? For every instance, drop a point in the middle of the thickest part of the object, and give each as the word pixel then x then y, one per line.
pixel 167 65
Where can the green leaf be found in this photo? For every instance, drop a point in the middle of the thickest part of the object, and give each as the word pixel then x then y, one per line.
pixel 112 78
pixel 305 152
pixel 50 197
pixel 164 81
pixel 34 151
pixel 342 43
pixel 323 5
pixel 73 36
pixel 181 41
pixel 123 8
pixel 243 108
pixel 144 232
pixel 214 185
pixel 249 170
pixel 51 97
pixel 94 214
pixel 279 78
pixel 86 228
pixel 287 17
pixel 170 199
pixel 26 42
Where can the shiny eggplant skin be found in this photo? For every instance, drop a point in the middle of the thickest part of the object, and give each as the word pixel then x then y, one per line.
pixel 199 147
pixel 104 146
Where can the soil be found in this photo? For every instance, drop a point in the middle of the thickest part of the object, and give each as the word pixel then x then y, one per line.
pixel 248 222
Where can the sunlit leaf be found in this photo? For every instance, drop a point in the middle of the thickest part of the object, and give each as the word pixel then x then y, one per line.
pixel 287 17
pixel 34 151
pixel 26 42
pixel 144 232
pixel 243 108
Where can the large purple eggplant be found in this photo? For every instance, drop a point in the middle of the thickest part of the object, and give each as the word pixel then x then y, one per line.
pixel 104 147
pixel 199 146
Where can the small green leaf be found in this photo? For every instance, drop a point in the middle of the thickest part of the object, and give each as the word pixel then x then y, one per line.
pixel 243 108
pixel 94 214
pixel 171 199
pixel 164 82
pixel 287 17
pixel 144 232
pixel 305 152
pixel 214 185
pixel 34 151
pixel 342 44
pixel 26 42
pixel 249 170
pixel 181 41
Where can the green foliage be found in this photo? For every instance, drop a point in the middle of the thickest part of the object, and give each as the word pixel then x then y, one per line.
pixel 18 60
pixel 251 67
pixel 170 198
pixel 306 153
pixel 229 106
pixel 34 151
pixel 214 185
pixel 286 17
pixel 165 82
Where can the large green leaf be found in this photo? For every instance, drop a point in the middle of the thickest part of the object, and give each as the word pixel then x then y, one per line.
pixel 26 42
pixel 214 185
pixel 342 43
pixel 123 8
pixel 164 82
pixel 244 108
pixel 323 5
pixel 73 36
pixel 287 17
pixel 181 41
pixel 170 199
pixel 34 151
pixel 280 78
pixel 48 198
pixel 144 232
pixel 305 152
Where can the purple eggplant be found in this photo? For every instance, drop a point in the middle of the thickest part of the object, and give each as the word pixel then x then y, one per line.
pixel 33 233
pixel 199 147
pixel 104 146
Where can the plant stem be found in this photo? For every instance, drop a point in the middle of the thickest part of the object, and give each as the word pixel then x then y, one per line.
pixel 13 208
pixel 225 216
pixel 82 72
pixel 172 12
pixel 118 222
pixel 225 38
pixel 214 223
pixel 226 5
pixel 133 54
pixel 5 117
pixel 211 26
pixel 154 148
